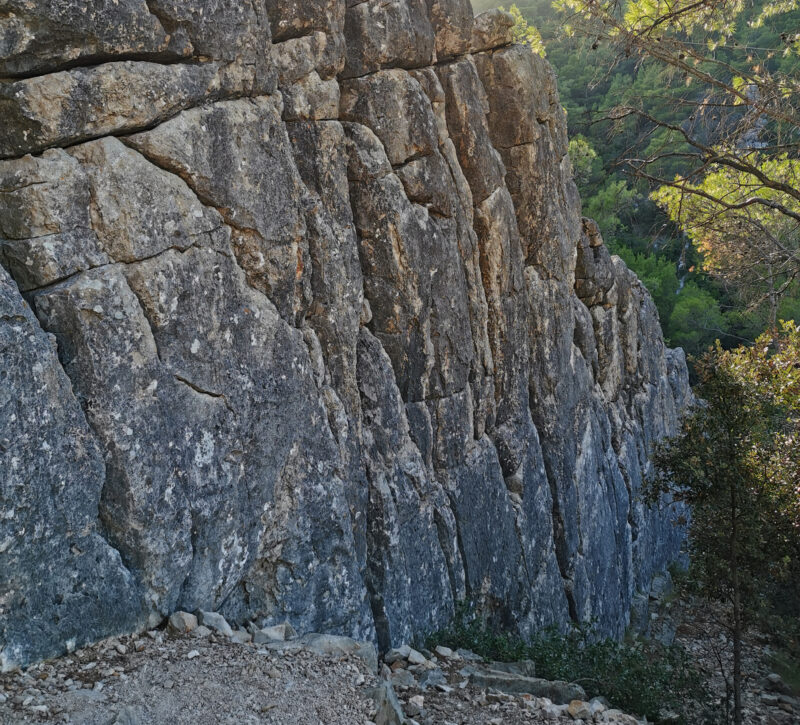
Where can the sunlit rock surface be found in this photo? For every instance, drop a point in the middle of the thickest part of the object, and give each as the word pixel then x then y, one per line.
pixel 299 320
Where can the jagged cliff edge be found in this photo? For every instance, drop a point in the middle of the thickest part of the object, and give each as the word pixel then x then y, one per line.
pixel 299 320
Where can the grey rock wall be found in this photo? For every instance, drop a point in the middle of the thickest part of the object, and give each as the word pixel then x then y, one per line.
pixel 299 320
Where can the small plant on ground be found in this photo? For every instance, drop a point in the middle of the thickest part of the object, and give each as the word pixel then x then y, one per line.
pixel 787 666
pixel 467 631
pixel 645 678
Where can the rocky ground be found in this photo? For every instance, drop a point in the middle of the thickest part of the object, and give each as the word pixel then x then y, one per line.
pixel 194 673
pixel 697 626
pixel 190 674
pixel 459 687
pixel 159 678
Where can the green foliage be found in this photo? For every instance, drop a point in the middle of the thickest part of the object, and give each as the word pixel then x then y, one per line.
pixel 467 631
pixel 658 275
pixel 586 164
pixel 609 206
pixel 691 316
pixel 644 678
pixel 740 226
pixel 524 32
pixel 696 320
pixel 713 18
pixel 594 79
pixel 736 464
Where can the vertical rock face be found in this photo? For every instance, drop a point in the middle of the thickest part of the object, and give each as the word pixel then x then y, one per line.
pixel 299 320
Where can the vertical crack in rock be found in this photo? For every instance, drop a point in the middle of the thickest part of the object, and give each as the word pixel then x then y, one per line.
pixel 442 531
pixel 561 547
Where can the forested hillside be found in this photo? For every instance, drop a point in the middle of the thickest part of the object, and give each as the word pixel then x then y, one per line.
pixel 698 298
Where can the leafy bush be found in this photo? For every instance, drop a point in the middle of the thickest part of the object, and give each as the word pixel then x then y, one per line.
pixel 645 678
pixel 467 631
pixel 735 463
pixel 640 677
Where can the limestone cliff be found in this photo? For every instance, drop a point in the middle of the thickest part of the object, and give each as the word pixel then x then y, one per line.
pixel 299 320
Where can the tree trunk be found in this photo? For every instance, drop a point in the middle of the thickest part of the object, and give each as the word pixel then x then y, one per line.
pixel 737 614
pixel 737 652
pixel 773 301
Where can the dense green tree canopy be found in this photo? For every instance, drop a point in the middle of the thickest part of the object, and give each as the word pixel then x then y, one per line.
pixel 685 145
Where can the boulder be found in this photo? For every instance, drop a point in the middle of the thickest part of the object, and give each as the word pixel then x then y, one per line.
pixel 215 621
pixel 558 691
pixel 275 633
pixel 182 622
pixel 389 711
pixel 332 644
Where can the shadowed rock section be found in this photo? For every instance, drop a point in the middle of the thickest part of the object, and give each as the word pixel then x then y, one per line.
pixel 299 320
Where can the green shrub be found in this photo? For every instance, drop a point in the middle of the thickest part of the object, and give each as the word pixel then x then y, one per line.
pixel 644 678
pixel 468 632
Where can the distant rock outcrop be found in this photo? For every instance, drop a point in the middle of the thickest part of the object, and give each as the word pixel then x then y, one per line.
pixel 299 320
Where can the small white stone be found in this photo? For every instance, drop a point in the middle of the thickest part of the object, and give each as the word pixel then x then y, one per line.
pixel 194 653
